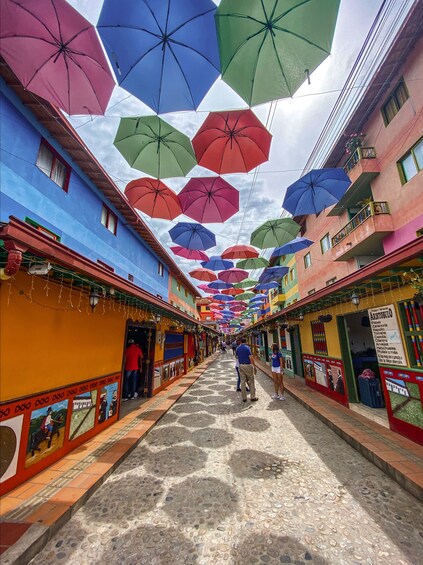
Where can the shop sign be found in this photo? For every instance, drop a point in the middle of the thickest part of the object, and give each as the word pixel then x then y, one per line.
pixel 387 335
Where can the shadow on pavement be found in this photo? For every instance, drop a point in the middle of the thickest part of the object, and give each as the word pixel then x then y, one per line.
pixel 252 464
pixel 178 461
pixel 197 420
pixel 168 435
pixel 212 438
pixel 251 424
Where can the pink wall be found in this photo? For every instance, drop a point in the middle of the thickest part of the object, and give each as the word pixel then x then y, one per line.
pixel 403 235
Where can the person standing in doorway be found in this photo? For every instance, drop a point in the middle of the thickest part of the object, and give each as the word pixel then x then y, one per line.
pixel 247 370
pixel 278 366
pixel 132 364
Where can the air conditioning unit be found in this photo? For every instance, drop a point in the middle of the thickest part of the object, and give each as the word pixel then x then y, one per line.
pixel 39 268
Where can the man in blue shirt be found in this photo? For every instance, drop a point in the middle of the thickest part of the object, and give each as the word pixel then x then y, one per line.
pixel 247 370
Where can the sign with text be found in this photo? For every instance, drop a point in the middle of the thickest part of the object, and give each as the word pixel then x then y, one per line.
pixel 387 335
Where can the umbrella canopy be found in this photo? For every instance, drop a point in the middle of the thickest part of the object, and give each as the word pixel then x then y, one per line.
pixel 237 307
pixel 193 254
pixel 274 233
pixel 268 48
pixel 206 288
pixel 192 236
pixel 245 296
pixel 232 291
pixel 153 146
pixel 240 252
pixel 219 285
pixel 164 53
pixel 246 283
pixel 293 246
pixel 209 199
pixel 223 297
pixel 232 142
pixel 267 286
pixel 233 275
pixel 253 263
pixel 272 274
pixel 203 274
pixel 258 298
pixel 216 263
pixel 56 54
pixel 154 198
pixel 315 191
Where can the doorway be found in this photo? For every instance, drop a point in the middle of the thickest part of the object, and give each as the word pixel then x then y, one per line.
pixel 296 351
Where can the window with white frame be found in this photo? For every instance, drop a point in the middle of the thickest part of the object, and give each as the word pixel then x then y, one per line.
pixel 325 243
pixel 411 163
pixel 53 166
pixel 108 219
pixel 160 269
pixel 307 260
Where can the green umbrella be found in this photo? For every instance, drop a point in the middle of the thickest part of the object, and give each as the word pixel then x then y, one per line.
pixel 246 283
pixel 254 263
pixel 244 296
pixel 151 145
pixel 275 233
pixel 268 47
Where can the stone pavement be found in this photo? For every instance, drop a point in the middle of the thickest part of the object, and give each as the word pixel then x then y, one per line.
pixel 219 482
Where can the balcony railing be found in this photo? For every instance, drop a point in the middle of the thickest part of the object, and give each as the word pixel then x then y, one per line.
pixel 370 209
pixel 359 153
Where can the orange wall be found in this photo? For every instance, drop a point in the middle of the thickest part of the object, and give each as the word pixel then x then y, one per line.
pixel 46 344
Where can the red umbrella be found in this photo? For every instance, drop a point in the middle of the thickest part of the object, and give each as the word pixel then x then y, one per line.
pixel 233 275
pixel 232 142
pixel 232 291
pixel 209 200
pixel 237 307
pixel 56 54
pixel 194 254
pixel 154 198
pixel 240 252
pixel 203 274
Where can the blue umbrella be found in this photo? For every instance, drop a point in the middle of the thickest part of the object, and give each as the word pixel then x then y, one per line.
pixel 163 52
pixel 315 191
pixel 219 285
pixel 266 286
pixel 216 263
pixel 223 297
pixel 272 274
pixel 258 298
pixel 293 246
pixel 192 236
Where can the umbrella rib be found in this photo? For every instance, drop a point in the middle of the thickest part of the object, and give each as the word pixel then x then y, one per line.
pixel 292 9
pixel 35 17
pixel 284 30
pixel 77 64
pixel 281 67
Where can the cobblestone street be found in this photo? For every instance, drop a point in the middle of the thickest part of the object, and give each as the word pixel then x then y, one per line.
pixel 219 482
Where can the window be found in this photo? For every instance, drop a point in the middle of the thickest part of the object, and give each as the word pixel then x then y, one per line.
pixel 331 281
pixel 396 100
pixel 411 163
pixel 311 291
pixel 285 280
pixel 307 260
pixel 108 219
pixel 186 293
pixel 291 275
pixel 178 286
pixel 319 338
pixel 160 269
pixel 303 226
pixel 131 278
pixel 325 243
pixel 42 229
pixel 52 165
pixel 412 324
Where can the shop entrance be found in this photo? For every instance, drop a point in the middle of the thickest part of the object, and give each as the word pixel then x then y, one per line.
pixel 362 368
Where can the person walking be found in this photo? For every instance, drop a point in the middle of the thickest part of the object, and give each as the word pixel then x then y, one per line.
pixel 132 364
pixel 238 385
pixel 247 370
pixel 234 345
pixel 278 366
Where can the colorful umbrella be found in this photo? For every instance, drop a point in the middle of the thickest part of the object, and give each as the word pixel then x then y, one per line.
pixel 164 53
pixel 293 246
pixel 267 286
pixel 233 275
pixel 237 307
pixel 209 200
pixel 232 142
pixel 258 298
pixel 246 283
pixel 253 263
pixel 315 191
pixel 216 263
pixel 272 274
pixel 219 285
pixel 192 254
pixel 151 145
pixel 203 274
pixel 56 54
pixel 274 233
pixel 206 288
pixel 222 297
pixel 192 236
pixel 240 252
pixel 154 198
pixel 232 291
pixel 245 296
pixel 268 48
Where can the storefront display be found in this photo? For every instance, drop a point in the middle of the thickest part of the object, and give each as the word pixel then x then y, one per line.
pixel 326 375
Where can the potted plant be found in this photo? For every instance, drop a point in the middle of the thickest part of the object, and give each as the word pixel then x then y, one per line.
pixel 416 281
pixel 355 140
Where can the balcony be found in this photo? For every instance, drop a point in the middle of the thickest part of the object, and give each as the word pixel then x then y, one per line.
pixel 363 233
pixel 362 167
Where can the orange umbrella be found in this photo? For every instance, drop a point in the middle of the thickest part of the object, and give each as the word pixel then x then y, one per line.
pixel 203 274
pixel 154 198
pixel 240 252
pixel 232 291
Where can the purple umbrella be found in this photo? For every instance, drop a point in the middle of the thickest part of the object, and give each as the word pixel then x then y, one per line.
pixel 293 246
pixel 56 54
pixel 192 236
pixel 209 200
pixel 219 285
pixel 233 275
pixel 223 297
pixel 216 263
pixel 189 253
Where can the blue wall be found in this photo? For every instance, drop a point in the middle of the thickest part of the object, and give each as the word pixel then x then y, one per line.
pixel 25 191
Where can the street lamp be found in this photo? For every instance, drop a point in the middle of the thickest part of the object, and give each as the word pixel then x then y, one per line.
pixel 355 299
pixel 94 298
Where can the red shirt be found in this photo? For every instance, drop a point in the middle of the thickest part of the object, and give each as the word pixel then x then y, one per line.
pixel 133 353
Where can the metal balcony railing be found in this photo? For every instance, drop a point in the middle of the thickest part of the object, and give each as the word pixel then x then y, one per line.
pixel 359 154
pixel 370 209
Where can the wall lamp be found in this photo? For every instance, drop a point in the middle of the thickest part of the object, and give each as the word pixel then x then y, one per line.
pixel 355 299
pixel 94 298
pixel 301 316
pixel 158 318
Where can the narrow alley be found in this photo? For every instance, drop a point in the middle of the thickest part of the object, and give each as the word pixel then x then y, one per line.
pixel 220 482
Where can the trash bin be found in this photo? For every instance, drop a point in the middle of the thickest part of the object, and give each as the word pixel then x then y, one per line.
pixel 371 392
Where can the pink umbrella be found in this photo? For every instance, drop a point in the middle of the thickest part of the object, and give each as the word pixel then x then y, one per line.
pixel 206 288
pixel 194 254
pixel 209 200
pixel 233 275
pixel 237 308
pixel 203 274
pixel 56 54
pixel 240 252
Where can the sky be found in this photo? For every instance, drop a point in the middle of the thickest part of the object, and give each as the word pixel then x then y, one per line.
pixel 295 124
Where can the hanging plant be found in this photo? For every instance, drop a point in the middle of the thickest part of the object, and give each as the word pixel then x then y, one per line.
pixel 355 140
pixel 325 318
pixel 416 281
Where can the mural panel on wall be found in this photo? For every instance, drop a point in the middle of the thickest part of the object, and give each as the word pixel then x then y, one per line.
pixel 10 438
pixel 326 375
pixel 83 414
pixel 46 431
pixel 108 403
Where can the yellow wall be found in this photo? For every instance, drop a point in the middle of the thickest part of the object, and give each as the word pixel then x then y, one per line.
pixel 46 344
pixel 331 328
